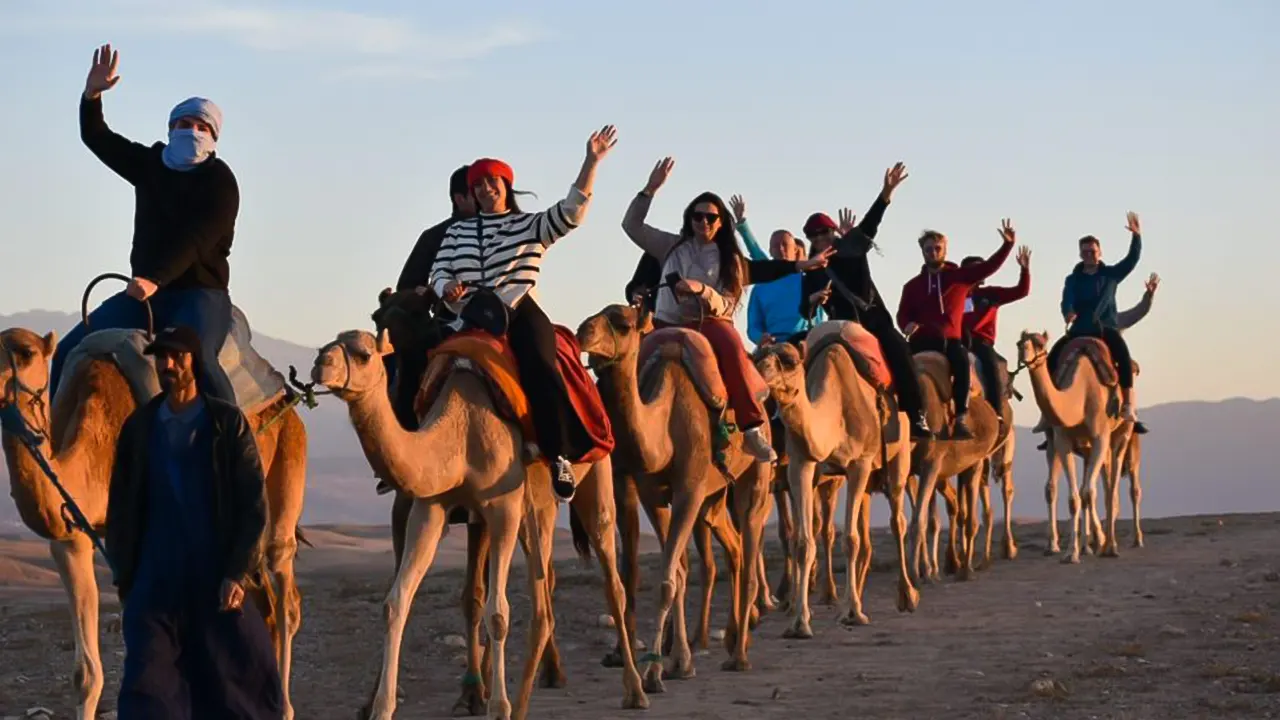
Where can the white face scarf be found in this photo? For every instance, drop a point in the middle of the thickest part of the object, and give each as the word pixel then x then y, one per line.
pixel 187 148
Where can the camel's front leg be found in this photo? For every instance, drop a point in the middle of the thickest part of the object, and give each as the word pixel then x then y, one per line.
pixel 950 498
pixel 1134 467
pixel 1004 469
pixel 923 511
pixel 627 503
pixel 1099 462
pixel 895 487
pixel 424 527
pixel 731 541
pixel 702 543
pixel 859 475
pixel 968 482
pixel 827 496
pixel 542 623
pixel 503 519
pixel 984 479
pixel 1111 547
pixel 474 692
pixel 1064 460
pixel 684 513
pixel 1057 463
pixel 801 479
pixel 74 559
pixel 751 507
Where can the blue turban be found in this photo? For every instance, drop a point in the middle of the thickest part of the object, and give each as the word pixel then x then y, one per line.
pixel 198 107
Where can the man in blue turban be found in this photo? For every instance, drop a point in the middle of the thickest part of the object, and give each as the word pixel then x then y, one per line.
pixel 186 203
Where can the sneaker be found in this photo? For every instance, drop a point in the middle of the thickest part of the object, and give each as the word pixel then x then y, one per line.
pixel 563 480
pixel 383 487
pixel 1139 427
pixel 920 427
pixel 1043 446
pixel 754 442
pixel 960 430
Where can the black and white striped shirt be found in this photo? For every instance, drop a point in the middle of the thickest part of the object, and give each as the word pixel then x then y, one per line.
pixel 503 252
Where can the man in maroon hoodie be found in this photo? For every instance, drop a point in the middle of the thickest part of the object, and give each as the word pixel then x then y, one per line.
pixel 980 322
pixel 931 310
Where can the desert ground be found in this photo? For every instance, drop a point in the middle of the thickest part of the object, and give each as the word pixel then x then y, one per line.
pixel 1184 628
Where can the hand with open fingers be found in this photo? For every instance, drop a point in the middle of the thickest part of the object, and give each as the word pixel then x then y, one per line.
pixel 817 261
pixel 848 221
pixel 102 73
pixel 1024 257
pixel 601 142
pixel 1007 232
pixel 739 207
pixel 1153 282
pixel 893 177
pixel 658 176
pixel 689 287
pixel 1132 224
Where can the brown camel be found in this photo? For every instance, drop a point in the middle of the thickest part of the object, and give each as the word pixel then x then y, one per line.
pixel 935 460
pixel 997 469
pixel 466 452
pixel 1081 406
pixel 667 429
pixel 82 429
pixel 836 420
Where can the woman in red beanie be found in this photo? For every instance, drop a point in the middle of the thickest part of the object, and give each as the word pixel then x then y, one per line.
pixel 713 273
pixel 500 249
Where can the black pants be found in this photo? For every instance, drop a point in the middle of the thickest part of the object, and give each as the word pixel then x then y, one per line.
pixel 958 356
pixel 989 372
pixel 1115 343
pixel 533 342
pixel 897 355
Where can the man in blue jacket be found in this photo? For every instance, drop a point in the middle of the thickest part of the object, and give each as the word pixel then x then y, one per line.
pixel 1089 306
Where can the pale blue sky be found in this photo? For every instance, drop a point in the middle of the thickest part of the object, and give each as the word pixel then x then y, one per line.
pixel 343 121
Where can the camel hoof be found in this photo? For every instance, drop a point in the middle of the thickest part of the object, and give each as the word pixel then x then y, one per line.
pixel 653 680
pixel 1070 559
pixel 966 574
pixel 1010 552
pixel 1138 542
pixel 798 631
pixel 1110 552
pixel 986 563
pixel 471 703
pixel 635 700
pixel 553 678
pixel 854 619
pixel 501 710
pixel 736 665
pixel 676 672
pixel 908 600
pixel 754 619
pixel 613 659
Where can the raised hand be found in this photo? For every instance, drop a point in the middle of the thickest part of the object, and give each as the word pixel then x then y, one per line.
pixel 601 142
pixel 817 262
pixel 847 221
pixel 102 73
pixel 1153 282
pixel 893 177
pixel 1007 232
pixel 658 176
pixel 1024 257
pixel 1132 224
pixel 739 207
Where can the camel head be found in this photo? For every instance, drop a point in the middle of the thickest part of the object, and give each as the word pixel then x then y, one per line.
pixel 351 365
pixel 24 372
pixel 782 367
pixel 613 334
pixel 1032 346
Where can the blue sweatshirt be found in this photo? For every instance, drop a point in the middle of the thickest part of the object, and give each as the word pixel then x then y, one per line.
pixel 774 307
pixel 1092 296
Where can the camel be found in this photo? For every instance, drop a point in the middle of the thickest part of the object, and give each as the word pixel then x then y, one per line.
pixel 935 460
pixel 665 421
pixel 997 468
pixel 82 429
pixel 1082 407
pixel 467 452
pixel 836 418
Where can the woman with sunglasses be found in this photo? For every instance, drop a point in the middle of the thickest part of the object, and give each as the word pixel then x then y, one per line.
pixel 712 273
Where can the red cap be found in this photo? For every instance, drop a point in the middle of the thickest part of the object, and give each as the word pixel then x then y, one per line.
pixel 488 167
pixel 819 222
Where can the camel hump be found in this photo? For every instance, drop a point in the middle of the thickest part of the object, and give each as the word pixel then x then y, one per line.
pixel 692 349
pixel 255 381
pixel 1097 352
pixel 935 366
pixel 863 348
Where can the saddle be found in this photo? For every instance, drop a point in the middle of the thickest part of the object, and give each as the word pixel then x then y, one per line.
pixel 1099 354
pixel 868 358
pixel 935 366
pixel 490 358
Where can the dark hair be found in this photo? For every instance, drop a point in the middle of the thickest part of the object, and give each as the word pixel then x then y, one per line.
pixel 731 258
pixel 971 260
pixel 928 235
pixel 1089 239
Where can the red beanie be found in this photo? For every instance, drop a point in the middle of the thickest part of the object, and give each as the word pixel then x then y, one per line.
pixel 488 167
pixel 817 223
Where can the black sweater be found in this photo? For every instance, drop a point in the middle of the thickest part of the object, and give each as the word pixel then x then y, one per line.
pixel 417 269
pixel 183 222
pixel 849 264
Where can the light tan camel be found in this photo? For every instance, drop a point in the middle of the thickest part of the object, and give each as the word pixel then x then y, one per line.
pixel 997 469
pixel 935 460
pixel 1082 407
pixel 826 493
pixel 466 453
pixel 835 419
pixel 669 427
pixel 82 428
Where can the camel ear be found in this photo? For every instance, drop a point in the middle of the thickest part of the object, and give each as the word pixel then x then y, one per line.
pixel 645 324
pixel 383 343
pixel 50 342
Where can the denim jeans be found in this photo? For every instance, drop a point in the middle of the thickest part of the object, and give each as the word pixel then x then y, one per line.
pixel 206 311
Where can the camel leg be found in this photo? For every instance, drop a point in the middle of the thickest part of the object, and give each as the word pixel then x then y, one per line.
pixel 751 507
pixel 786 528
pixel 503 519
pixel 597 521
pixel 542 623
pixel 1058 462
pixel 731 542
pixel 1098 464
pixel 684 513
pixel 859 475
pixel 764 598
pixel 896 477
pixel 1134 467
pixel 400 505
pixel 474 693
pixel 984 480
pixel 1068 462
pixel 865 549
pixel 922 514
pixel 423 530
pixel 968 482
pixel 801 479
pixel 74 560
pixel 950 499
pixel 626 499
pixel 702 542
pixel 1004 468
pixel 1111 547
pixel 286 477
pixel 827 495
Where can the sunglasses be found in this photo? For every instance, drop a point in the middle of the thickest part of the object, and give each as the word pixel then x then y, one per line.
pixel 705 217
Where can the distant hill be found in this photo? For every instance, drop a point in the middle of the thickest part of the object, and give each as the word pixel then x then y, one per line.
pixel 1201 457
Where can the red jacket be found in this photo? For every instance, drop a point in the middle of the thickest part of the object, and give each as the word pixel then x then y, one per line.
pixel 980 321
pixel 935 300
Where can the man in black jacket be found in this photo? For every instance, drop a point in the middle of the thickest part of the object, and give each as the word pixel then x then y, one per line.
pixel 185 205
pixel 186 522
pixel 846 292
pixel 417 268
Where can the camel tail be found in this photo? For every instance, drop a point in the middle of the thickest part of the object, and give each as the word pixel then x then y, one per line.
pixel 301 537
pixel 581 541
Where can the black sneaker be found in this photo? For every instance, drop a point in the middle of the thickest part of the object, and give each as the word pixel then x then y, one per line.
pixel 1043 446
pixel 1139 428
pixel 562 479
pixel 960 429
pixel 920 427
pixel 383 487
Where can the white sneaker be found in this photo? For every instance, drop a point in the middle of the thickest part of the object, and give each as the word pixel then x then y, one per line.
pixel 755 443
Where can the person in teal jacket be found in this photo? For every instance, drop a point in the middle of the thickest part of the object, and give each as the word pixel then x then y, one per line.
pixel 773 310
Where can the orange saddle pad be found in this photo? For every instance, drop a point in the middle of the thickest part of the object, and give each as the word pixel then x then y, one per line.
pixel 492 358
